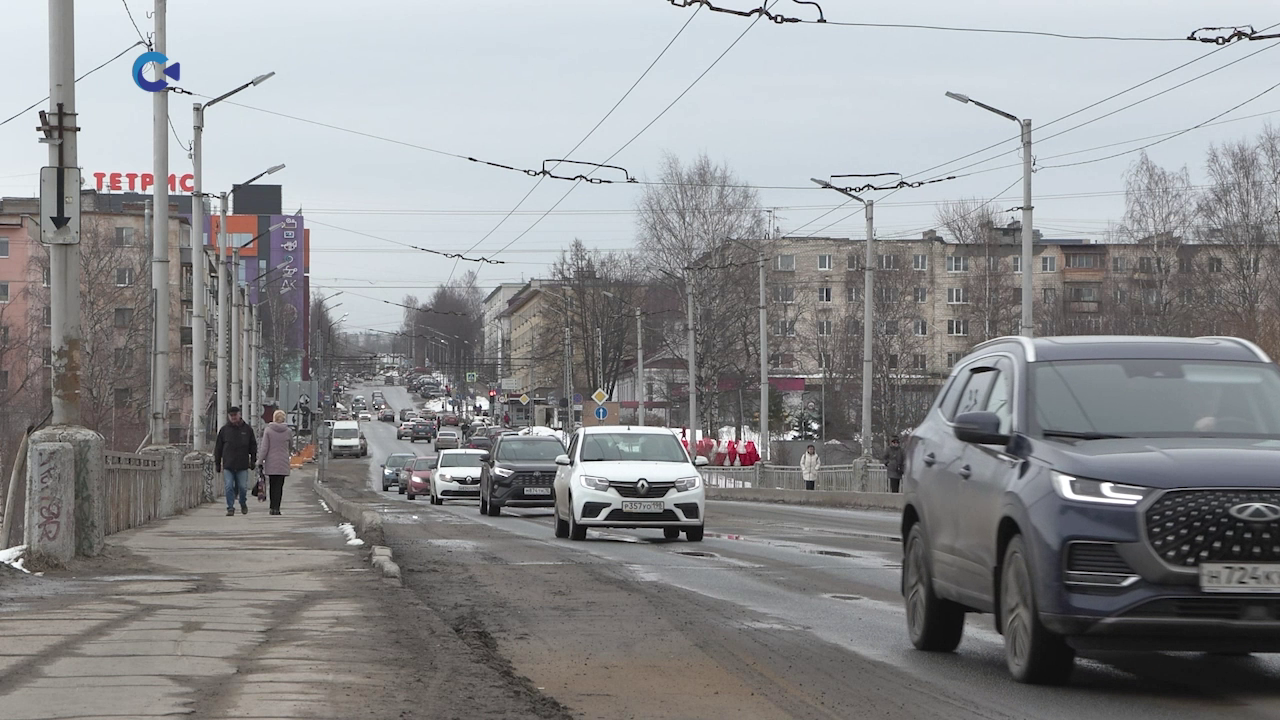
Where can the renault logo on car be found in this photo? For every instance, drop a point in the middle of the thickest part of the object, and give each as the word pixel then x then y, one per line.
pixel 642 487
pixel 1256 512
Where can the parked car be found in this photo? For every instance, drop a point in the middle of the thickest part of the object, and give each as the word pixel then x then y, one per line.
pixel 387 415
pixel 422 431
pixel 418 477
pixel 456 476
pixel 632 477
pixel 344 440
pixel 1097 492
pixel 391 469
pixel 519 472
pixel 405 430
pixel 448 439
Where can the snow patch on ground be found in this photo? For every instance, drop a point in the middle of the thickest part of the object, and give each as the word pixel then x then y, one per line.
pixel 325 505
pixel 13 558
pixel 350 531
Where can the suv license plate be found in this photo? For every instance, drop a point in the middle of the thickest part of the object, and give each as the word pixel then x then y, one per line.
pixel 537 491
pixel 642 507
pixel 1240 578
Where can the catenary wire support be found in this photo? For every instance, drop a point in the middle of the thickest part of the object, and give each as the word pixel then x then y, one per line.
pixel 763 11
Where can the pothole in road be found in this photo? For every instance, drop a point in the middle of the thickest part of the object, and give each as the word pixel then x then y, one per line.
pixel 832 553
pixel 696 553
pixel 847 598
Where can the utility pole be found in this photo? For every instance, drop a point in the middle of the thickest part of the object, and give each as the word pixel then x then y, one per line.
pixel 599 357
pixel 255 398
pixel 693 370
pixel 223 400
pixel 764 359
pixel 64 259
pixel 234 310
pixel 868 315
pixel 640 383
pixel 568 373
pixel 160 242
pixel 1028 301
pixel 246 343
pixel 199 270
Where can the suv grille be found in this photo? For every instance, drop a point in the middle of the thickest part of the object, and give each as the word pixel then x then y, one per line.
pixel 1188 527
pixel 1094 557
pixel 656 489
pixel 533 478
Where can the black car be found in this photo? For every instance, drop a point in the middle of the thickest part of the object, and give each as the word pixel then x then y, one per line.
pixel 1100 493
pixel 479 442
pixel 387 415
pixel 519 472
pixel 423 431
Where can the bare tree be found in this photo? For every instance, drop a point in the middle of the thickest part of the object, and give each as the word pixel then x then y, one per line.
pixel 991 296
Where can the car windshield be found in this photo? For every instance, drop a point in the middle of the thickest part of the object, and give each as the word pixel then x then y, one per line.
pixel 632 447
pixel 345 433
pixel 1157 398
pixel 396 461
pixel 469 460
pixel 423 463
pixel 529 450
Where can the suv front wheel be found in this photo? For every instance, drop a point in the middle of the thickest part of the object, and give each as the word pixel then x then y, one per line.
pixel 933 623
pixel 1033 653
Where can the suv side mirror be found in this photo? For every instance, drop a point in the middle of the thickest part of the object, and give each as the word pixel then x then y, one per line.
pixel 563 460
pixel 700 461
pixel 486 457
pixel 980 427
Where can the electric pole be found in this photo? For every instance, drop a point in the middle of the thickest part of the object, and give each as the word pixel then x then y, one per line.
pixel 640 383
pixel 64 259
pixel 160 243
pixel 223 400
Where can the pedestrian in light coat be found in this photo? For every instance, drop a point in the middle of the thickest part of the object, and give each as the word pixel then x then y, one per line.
pixel 234 452
pixel 276 454
pixel 809 464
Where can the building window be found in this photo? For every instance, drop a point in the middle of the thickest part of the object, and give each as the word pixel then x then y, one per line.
pixel 919 361
pixel 1185 265
pixel 1048 263
pixel 824 262
pixel 1148 264
pixel 1119 264
pixel 824 360
pixel 46 277
pixel 1215 264
pixel 958 328
pixel 851 293
pixel 1050 295
pixel 785 328
pixel 889 327
pixel 855 262
pixel 4 336
pixel 919 262
pixel 824 294
pixel 953 358
pixel 957 263
pixel 1083 261
pixel 922 294
pixel 4 247
pixel 1120 296
pixel 46 356
pixel 4 292
pixel 886 294
pixel 1187 296
pixel 957 296
pixel 124 277
pixel 4 379
pixel 1151 296
pixel 785 263
pixel 1017 263
pixel 921 327
pixel 124 237
pixel 123 317
pixel 893 361
pixel 123 358
pixel 993 263
pixel 123 396
pixel 824 327
pixel 1254 264
pixel 1211 296
pixel 1082 294
pixel 784 294
pixel 888 262
pixel 47 316
pixel 853 325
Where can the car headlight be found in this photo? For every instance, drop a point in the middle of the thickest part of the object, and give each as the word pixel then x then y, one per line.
pixel 595 483
pixel 503 472
pixel 1100 492
pixel 688 483
pixel 446 478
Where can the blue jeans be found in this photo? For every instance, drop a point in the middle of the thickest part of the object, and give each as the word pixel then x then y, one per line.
pixel 236 481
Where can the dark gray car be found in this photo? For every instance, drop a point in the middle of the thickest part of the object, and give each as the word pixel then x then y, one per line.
pixel 520 471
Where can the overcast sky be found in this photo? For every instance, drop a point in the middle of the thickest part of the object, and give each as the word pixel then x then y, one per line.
pixel 518 82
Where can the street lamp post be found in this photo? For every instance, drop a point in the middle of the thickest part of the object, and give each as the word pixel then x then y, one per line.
pixel 199 329
pixel 1028 327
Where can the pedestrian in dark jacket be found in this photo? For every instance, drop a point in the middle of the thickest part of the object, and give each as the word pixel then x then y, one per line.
pixel 276 454
pixel 893 460
pixel 234 453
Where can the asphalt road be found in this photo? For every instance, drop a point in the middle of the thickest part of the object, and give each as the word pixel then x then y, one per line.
pixel 782 611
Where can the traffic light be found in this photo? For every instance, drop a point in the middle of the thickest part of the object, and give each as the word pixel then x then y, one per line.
pixel 493 394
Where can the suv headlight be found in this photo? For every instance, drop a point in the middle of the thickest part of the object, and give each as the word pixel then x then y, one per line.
pixel 1100 492
pixel 503 472
pixel 688 483
pixel 595 483
pixel 445 477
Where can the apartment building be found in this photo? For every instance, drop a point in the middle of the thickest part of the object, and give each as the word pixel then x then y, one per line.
pixel 534 313
pixel 496 330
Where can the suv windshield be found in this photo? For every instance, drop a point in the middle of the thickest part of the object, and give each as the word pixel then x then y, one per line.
pixel 529 450
pixel 423 463
pixel 1157 398
pixel 396 461
pixel 345 433
pixel 471 460
pixel 632 447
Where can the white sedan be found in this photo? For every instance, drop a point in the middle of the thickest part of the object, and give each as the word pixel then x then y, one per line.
pixel 629 477
pixel 364 416
pixel 456 476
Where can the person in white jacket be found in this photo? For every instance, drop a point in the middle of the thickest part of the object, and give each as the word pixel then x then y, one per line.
pixel 809 464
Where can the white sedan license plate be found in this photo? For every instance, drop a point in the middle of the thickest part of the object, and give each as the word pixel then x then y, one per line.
pixel 537 491
pixel 642 507
pixel 1240 578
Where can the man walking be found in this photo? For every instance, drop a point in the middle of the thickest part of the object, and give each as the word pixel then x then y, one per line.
pixel 235 451
pixel 893 460
pixel 809 464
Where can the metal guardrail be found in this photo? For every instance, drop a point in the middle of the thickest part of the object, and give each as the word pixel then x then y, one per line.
pixel 133 490
pixel 856 477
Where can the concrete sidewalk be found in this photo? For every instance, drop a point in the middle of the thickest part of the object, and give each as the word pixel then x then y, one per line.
pixel 217 617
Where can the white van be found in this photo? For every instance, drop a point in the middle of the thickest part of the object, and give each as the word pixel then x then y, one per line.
pixel 345 439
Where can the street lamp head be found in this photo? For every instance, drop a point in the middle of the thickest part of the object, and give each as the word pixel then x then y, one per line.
pixel 958 96
pixel 275 168
pixel 262 78
pixel 344 317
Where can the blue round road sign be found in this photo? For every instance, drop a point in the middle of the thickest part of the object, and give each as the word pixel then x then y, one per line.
pixel 602 412
pixel 577 398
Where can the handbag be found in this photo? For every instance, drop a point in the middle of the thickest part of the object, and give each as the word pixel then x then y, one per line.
pixel 258 487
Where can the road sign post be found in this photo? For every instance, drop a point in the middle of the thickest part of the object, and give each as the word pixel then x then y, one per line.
pixel 60 205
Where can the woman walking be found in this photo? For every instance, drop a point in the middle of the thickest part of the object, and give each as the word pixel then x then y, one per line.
pixel 275 457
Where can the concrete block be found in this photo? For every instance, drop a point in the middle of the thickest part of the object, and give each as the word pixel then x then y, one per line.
pixel 170 478
pixel 381 551
pixel 50 526
pixel 90 507
pixel 209 492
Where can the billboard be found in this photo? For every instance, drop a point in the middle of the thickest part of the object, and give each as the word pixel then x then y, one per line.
pixel 281 290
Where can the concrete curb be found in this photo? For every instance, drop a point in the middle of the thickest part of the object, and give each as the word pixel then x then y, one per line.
pixel 824 498
pixel 368 525
pixel 381 559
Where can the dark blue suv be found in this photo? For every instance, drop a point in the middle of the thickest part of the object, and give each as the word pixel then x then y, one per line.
pixel 1108 493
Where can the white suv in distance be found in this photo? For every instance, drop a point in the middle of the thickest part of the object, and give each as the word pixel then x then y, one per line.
pixel 628 477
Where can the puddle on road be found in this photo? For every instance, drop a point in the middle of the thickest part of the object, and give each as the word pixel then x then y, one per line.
pixel 831 553
pixel 806 549
pixel 696 553
pixel 847 598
